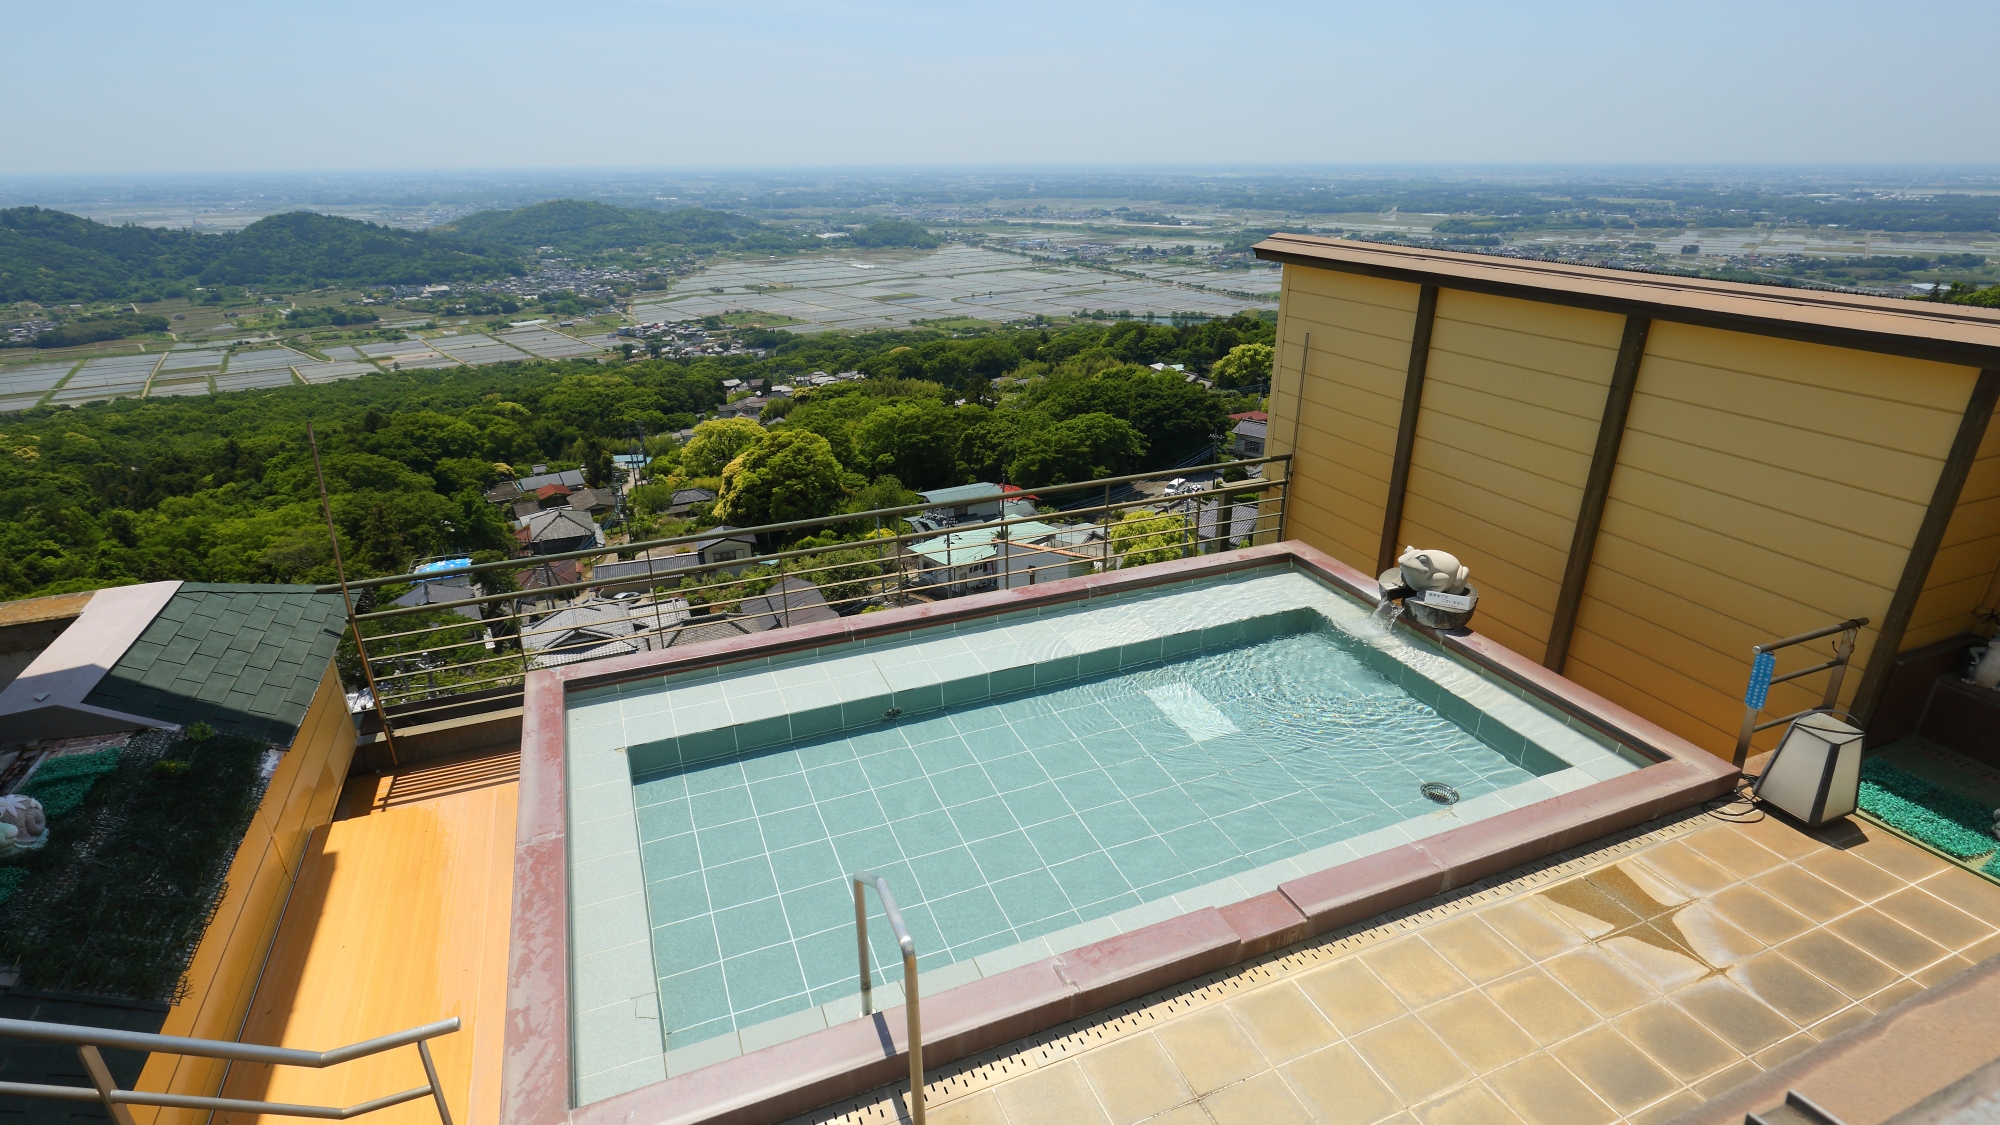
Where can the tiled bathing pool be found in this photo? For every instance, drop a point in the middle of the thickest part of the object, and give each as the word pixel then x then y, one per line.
pixel 1028 784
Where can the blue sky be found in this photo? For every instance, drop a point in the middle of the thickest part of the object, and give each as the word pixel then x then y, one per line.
pixel 223 86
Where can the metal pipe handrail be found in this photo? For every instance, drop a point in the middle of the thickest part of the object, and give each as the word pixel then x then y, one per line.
pixel 1763 677
pixel 104 1088
pixel 800 525
pixel 862 880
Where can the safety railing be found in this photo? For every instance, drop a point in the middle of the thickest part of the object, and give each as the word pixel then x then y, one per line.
pixel 862 880
pixel 1763 677
pixel 427 661
pixel 104 1090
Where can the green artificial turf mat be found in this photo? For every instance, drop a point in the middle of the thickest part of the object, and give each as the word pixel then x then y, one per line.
pixel 1950 822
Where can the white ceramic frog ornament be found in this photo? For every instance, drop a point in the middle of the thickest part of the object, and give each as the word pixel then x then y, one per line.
pixel 1432 570
pixel 23 825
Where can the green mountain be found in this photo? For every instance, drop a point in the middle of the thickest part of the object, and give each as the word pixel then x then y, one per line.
pixel 52 257
pixel 580 226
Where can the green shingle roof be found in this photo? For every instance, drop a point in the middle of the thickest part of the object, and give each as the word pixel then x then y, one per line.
pixel 244 659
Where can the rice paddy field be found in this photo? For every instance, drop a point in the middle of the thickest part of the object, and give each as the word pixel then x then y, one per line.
pixel 891 290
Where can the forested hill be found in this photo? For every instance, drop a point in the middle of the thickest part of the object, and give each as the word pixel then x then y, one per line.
pixel 580 226
pixel 52 256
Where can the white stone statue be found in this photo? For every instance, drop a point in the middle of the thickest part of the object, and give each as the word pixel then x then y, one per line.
pixel 23 825
pixel 1432 570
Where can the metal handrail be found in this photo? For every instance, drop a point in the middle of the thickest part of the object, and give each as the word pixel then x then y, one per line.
pixel 104 1089
pixel 862 880
pixel 1763 668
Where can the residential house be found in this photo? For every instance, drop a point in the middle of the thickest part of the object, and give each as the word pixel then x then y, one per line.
pixel 967 560
pixel 684 499
pixel 593 630
pixel 593 500
pixel 790 601
pixel 453 589
pixel 966 501
pixel 643 573
pixel 504 492
pixel 1249 438
pixel 553 531
pixel 557 572
pixel 525 507
pixel 568 478
pixel 552 496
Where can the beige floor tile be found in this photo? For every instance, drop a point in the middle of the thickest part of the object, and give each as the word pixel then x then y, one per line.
pixel 1938 972
pixel 1736 1017
pixel 1192 1114
pixel 1209 1049
pixel 1134 1079
pixel 1888 940
pixel 1659 1113
pixel 1530 928
pixel 1717 941
pixel 1282 1022
pixel 1716 1085
pixel 1758 914
pixel 1615 1070
pixel 1351 995
pixel 1541 1091
pixel 1982 950
pixel 1261 1100
pixel 1543 1007
pixel 1893 995
pixel 1598 980
pixel 1646 951
pixel 1898 857
pixel 1782 838
pixel 1852 874
pixel 1412 1060
pixel 1684 867
pixel 1735 853
pixel 1414 972
pixel 1476 1030
pixel 982 1108
pixel 1341 1087
pixel 1468 1105
pixel 1676 1041
pixel 1805 892
pixel 1050 1093
pixel 1474 949
pixel 1798 995
pixel 1968 892
pixel 1935 918
pixel 1852 1016
pixel 1784 1050
pixel 1839 963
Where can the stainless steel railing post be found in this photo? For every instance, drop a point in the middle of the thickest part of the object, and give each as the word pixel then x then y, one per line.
pixel 862 880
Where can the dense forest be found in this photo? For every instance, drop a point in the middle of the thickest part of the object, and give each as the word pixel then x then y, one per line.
pixel 222 489
pixel 582 227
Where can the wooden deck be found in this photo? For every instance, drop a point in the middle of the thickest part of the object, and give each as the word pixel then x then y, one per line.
pixel 400 918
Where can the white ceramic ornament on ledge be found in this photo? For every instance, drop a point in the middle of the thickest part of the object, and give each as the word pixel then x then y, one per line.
pixel 1432 570
pixel 23 825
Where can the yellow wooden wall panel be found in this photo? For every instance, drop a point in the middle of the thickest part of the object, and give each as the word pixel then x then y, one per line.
pixel 1846 418
pixel 1531 537
pixel 1462 461
pixel 1505 406
pixel 1967 566
pixel 1844 461
pixel 1351 542
pixel 1815 367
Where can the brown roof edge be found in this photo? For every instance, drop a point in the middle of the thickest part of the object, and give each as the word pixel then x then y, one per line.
pixel 55 607
pixel 1960 334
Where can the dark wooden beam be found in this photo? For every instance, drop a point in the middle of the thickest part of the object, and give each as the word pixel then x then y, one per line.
pixel 1930 534
pixel 1406 430
pixel 1596 489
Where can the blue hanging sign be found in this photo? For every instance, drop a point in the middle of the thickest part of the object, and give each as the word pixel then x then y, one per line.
pixel 1761 670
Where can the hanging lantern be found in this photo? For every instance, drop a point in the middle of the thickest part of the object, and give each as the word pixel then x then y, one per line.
pixel 1816 773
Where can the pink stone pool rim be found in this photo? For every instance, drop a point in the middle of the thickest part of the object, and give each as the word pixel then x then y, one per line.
pixel 780 1081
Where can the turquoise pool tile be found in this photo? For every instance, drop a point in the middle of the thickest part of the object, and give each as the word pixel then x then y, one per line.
pixel 1115 824
pixel 1063 838
pixel 1180 644
pixel 1006 681
pixel 677 899
pixel 1113 747
pixel 825 751
pixel 969 916
pixel 1060 921
pixel 760 977
pixel 993 742
pixel 726 843
pixel 656 754
pixel 1146 862
pixel 1138 777
pixel 714 776
pixel 688 1037
pixel 924 834
pixel 670 857
pixel 694 998
pixel 813 721
pixel 1037 803
pixel 981 819
pixel 776 794
pixel 797 1002
pixel 890 766
pixel 919 700
pixel 907 799
pixel 977 718
pixel 827 959
pixel 1030 897
pixel 667 818
pixel 866 710
pixel 867 848
pixel 966 689
pixel 960 785
pixel 792 827
pixel 945 873
pixel 1301 813
pixel 836 780
pixel 1168 809
pixel 707 745
pixel 1138 654
pixel 804 865
pixel 827 904
pixel 1090 789
pixel 979 946
pixel 745 880
pixel 1097 662
pixel 942 754
pixel 1060 670
pixel 769 764
pixel 1217 796
pixel 1037 731
pixel 852 813
pixel 1253 829
pixel 1201 845
pixel 752 925
pixel 1003 856
pixel 1016 771
pixel 659 787
pixel 1090 879
pixel 686 945
pixel 1088 719
pixel 760 733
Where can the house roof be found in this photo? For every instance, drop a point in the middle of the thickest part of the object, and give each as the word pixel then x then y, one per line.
pixel 1949 333
pixel 790 601
pixel 241 658
pixel 963 548
pixel 453 589
pixel 1250 416
pixel 559 523
pixel 692 496
pixel 559 573
pixel 548 490
pixel 1250 428
pixel 572 478
pixel 961 494
pixel 593 498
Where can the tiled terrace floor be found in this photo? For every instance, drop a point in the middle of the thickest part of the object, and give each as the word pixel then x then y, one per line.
pixel 1629 983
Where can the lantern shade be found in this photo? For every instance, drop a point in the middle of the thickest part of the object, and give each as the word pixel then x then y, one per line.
pixel 1816 773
